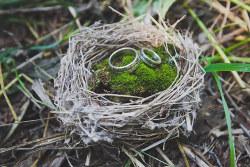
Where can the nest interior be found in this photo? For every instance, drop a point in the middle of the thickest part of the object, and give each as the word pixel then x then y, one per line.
pixel 143 81
pixel 94 117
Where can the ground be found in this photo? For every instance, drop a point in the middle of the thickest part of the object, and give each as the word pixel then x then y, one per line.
pixel 35 34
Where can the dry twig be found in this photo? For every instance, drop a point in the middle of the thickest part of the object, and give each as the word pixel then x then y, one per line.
pixel 164 156
pixel 29 10
pixel 221 9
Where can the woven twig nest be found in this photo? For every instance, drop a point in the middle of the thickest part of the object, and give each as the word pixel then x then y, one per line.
pixel 94 117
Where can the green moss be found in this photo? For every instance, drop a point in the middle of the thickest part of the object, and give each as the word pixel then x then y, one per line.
pixel 147 79
pixel 124 83
pixel 127 59
pixel 165 76
pixel 100 65
pixel 144 81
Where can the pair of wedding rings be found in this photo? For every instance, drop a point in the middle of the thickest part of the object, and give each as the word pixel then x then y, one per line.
pixel 148 56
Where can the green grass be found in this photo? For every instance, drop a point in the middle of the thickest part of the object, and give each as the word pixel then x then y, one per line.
pixel 13 2
pixel 237 45
pixel 228 120
pixel 225 26
pixel 27 91
pixel 231 58
pixel 227 67
pixel 52 3
pixel 241 4
pixel 227 112
pixel 162 6
pixel 129 162
pixel 154 158
pixel 35 3
pixel 20 21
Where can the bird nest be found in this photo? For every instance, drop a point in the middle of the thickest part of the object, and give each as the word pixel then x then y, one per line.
pixel 95 117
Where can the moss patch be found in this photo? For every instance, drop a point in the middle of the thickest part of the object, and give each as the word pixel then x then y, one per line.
pixel 144 81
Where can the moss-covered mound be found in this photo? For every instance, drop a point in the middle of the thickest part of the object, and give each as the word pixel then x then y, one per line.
pixel 144 81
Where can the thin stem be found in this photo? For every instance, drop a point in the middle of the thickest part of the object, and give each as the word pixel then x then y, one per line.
pixel 5 95
pixel 241 4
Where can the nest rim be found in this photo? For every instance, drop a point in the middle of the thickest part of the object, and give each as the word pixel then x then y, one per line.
pixel 111 117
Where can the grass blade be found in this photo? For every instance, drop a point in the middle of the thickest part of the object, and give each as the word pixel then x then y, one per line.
pixel 4 54
pixel 14 2
pixel 27 91
pixel 128 163
pixel 231 58
pixel 44 47
pixel 22 21
pixel 5 94
pixel 225 26
pixel 241 4
pixel 228 120
pixel 228 67
pixel 16 123
pixel 166 4
pixel 54 3
pixel 133 159
pixel 154 158
pixel 227 114
pixel 237 45
pixel 68 34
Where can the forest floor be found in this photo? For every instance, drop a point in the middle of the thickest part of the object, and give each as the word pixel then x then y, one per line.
pixel 34 37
